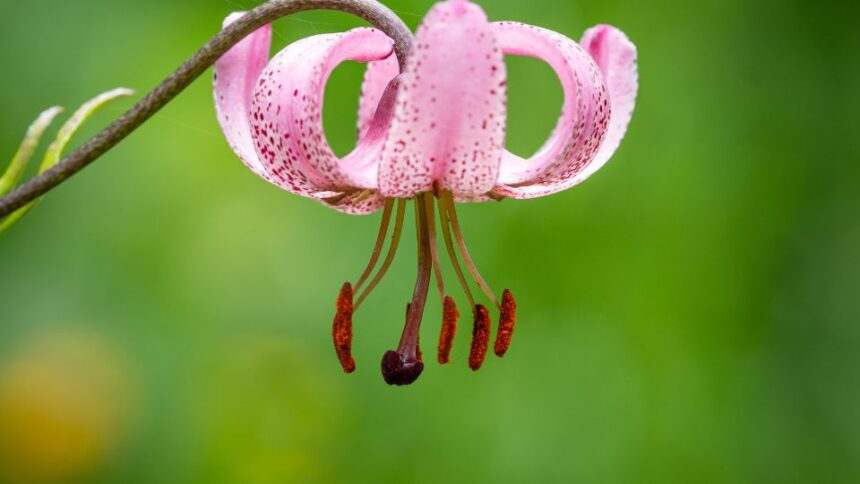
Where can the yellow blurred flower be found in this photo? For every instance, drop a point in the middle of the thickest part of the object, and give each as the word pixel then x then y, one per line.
pixel 63 406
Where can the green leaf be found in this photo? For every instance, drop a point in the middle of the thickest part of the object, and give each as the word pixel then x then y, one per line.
pixel 75 123
pixel 55 151
pixel 25 151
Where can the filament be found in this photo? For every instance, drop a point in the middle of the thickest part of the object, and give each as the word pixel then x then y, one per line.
pixel 380 240
pixel 392 251
pixel 452 254
pixel 448 200
pixel 434 249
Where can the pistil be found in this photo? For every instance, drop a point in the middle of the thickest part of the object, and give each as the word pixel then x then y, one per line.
pixel 403 367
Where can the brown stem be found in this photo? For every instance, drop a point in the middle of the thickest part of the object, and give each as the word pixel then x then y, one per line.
pixel 374 12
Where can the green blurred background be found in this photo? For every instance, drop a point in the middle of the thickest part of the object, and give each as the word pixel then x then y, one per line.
pixel 690 314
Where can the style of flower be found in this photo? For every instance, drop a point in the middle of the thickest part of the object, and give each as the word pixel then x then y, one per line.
pixel 433 134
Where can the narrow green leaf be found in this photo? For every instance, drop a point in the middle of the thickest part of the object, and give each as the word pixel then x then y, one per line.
pixel 85 112
pixel 55 150
pixel 25 151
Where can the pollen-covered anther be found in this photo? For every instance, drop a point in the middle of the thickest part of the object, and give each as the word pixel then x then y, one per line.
pixel 507 319
pixel 342 328
pixel 450 315
pixel 480 338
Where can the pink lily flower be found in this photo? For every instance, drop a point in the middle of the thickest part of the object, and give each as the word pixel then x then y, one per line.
pixel 433 134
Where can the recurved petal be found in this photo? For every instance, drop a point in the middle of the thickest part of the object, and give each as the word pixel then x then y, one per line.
pixel 584 117
pixel 616 57
pixel 286 115
pixel 449 124
pixel 362 202
pixel 376 79
pixel 236 72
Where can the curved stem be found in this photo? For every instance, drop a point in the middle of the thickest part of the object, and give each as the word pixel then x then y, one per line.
pixel 374 12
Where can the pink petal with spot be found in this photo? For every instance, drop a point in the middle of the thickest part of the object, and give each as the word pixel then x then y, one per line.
pixel 582 126
pixel 449 124
pixel 362 165
pixel 616 57
pixel 235 75
pixel 359 203
pixel 376 79
pixel 286 114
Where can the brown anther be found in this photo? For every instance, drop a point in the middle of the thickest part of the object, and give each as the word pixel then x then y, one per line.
pixel 342 329
pixel 450 315
pixel 507 318
pixel 480 338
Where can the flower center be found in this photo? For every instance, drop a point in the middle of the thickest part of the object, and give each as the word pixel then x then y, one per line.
pixel 405 364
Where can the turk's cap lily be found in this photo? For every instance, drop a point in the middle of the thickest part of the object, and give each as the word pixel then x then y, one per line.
pixel 439 125
pixel 433 134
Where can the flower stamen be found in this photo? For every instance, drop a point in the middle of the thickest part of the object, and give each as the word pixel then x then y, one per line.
pixel 380 241
pixel 392 251
pixel 480 338
pixel 430 216
pixel 450 315
pixel 342 328
pixel 448 200
pixel 507 318
pixel 452 253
